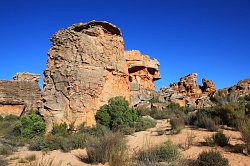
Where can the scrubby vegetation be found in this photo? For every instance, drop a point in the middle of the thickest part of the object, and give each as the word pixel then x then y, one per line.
pixel 177 124
pixel 118 116
pixel 111 148
pixel 106 143
pixel 211 158
pixel 219 139
pixel 166 152
pixel 116 113
pixel 244 128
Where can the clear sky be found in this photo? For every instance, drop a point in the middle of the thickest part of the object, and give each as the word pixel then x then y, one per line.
pixel 209 37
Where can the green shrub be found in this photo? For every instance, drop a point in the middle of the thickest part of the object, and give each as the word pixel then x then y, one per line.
pixel 220 139
pixel 144 123
pixel 7 125
pixel 37 144
pixel 60 130
pixel 11 118
pixel 126 130
pixel 143 111
pixel 31 158
pixel 244 128
pixel 212 158
pixel 177 124
pixel 54 142
pixel 159 114
pixel 111 148
pixel 6 150
pixel 230 113
pixel 166 152
pixel 29 126
pixel 204 120
pixel 174 106
pixel 117 112
pixel 98 130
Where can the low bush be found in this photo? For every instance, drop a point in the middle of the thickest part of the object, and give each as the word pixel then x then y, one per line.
pixel 54 142
pixel 244 128
pixel 29 126
pixel 220 139
pixel 98 130
pixel 230 113
pixel 31 158
pixel 144 111
pixel 60 129
pixel 212 158
pixel 159 114
pixel 117 112
pixel 7 125
pixel 205 121
pixel 111 148
pixel 144 123
pixel 167 152
pixel 6 150
pixel 177 124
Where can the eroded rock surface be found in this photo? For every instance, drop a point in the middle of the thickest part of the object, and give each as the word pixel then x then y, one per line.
pixel 242 87
pixel 143 71
pixel 86 67
pixel 20 95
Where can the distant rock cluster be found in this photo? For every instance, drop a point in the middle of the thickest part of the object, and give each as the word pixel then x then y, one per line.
pixel 87 65
pixel 188 93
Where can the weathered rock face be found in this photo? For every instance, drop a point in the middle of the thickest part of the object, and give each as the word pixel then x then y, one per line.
pixel 20 95
pixel 242 87
pixel 143 71
pixel 208 87
pixel 188 93
pixel 86 67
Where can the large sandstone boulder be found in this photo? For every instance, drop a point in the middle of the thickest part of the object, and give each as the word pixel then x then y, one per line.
pixel 86 67
pixel 20 95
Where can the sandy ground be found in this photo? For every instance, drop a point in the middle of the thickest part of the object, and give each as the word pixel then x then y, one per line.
pixel 151 137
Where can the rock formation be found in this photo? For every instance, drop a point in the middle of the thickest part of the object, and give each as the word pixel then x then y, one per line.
pixel 188 93
pixel 87 65
pixel 242 87
pixel 142 73
pixel 20 95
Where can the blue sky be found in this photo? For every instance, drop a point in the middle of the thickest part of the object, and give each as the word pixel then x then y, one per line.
pixel 209 37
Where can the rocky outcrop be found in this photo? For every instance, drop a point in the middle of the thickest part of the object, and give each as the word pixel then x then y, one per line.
pixel 188 93
pixel 143 71
pixel 208 87
pixel 87 65
pixel 242 87
pixel 20 95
